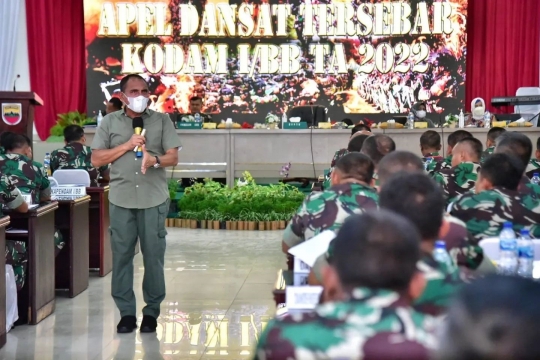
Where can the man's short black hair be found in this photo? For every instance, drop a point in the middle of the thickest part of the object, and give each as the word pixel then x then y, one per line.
pixel 126 78
pixel 17 141
pixel 195 98
pixel 377 146
pixel 457 136
pixel 494 133
pixel 474 147
pixel 116 103
pixel 356 143
pixel 73 133
pixel 430 139
pixel 4 138
pixel 516 144
pixel 355 166
pixel 538 144
pixel 418 198
pixel 495 318
pixel 377 249
pixel 360 127
pixel 503 170
pixel 398 161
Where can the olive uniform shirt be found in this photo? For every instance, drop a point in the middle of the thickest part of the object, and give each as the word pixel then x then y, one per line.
pixel 129 188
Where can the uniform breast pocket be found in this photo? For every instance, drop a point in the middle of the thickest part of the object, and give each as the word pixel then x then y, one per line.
pixel 153 138
pixel 117 139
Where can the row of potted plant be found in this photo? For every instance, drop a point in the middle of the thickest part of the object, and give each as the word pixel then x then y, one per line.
pixel 246 206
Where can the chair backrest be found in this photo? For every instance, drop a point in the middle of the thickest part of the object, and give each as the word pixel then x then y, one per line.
pixel 491 248
pixel 528 111
pixel 53 181
pixel 72 177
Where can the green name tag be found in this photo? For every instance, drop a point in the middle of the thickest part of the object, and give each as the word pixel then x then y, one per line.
pixel 188 125
pixel 295 125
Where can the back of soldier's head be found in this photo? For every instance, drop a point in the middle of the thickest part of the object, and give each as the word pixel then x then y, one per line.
pixel 501 170
pixel 354 166
pixel 356 143
pixel 398 161
pixel 416 197
pixel 17 141
pixel 360 127
pixel 494 133
pixel 377 146
pixel 377 249
pixel 457 136
pixel 494 318
pixel 430 140
pixel 73 133
pixel 472 147
pixel 516 144
pixel 4 138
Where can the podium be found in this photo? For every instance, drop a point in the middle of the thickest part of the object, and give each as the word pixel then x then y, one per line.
pixel 17 111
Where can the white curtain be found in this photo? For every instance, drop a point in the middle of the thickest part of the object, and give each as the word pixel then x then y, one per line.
pixel 9 18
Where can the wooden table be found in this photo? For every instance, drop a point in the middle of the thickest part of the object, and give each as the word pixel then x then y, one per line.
pixel 100 240
pixel 72 263
pixel 36 300
pixel 4 222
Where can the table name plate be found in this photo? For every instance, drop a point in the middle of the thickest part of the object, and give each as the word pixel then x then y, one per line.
pixel 294 125
pixel 189 125
pixel 76 191
pixel 303 297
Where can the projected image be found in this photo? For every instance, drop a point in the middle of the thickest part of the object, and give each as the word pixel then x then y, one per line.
pixel 253 57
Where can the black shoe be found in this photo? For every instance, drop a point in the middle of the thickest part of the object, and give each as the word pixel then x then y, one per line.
pixel 127 324
pixel 148 324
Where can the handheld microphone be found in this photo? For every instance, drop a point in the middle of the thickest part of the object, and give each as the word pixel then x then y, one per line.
pixel 138 125
pixel 15 82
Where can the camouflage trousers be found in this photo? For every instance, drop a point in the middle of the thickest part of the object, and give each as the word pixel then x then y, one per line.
pixel 16 256
pixel 58 241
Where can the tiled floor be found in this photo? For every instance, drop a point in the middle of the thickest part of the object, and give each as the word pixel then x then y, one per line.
pixel 218 295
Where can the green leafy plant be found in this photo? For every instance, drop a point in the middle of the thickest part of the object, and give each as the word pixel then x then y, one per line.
pixel 66 119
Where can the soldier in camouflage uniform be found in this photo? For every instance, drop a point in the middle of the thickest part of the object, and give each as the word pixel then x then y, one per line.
pixel 27 175
pixel 377 147
pixel 419 199
pixel 355 145
pixel 492 136
pixel 455 137
pixel 497 200
pixel 11 197
pixel 461 178
pixel 534 164
pixel 519 145
pixel 76 155
pixel 351 193
pixel 367 311
pixel 430 145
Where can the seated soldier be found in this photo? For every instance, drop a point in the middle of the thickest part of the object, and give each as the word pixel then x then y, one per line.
pixel 492 136
pixel 534 164
pixel 76 155
pixel 3 140
pixel 11 197
pixel 368 289
pixel 460 244
pixel 27 175
pixel 446 163
pixel 355 145
pixel 351 193
pixel 420 200
pixel 495 318
pixel 430 145
pixel 520 146
pixel 497 200
pixel 114 104
pixel 465 165
pixel 196 107
pixel 376 147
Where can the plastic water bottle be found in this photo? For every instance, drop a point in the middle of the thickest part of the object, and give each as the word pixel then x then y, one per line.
pixel 47 164
pixel 441 255
pixel 461 120
pixel 197 117
pixel 487 120
pixel 284 118
pixel 410 121
pixel 99 118
pixel 508 260
pixel 526 254
pixel 535 179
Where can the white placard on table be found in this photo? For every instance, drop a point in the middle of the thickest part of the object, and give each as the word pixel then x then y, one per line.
pixel 301 267
pixel 68 190
pixel 27 198
pixel 300 279
pixel 308 251
pixel 303 297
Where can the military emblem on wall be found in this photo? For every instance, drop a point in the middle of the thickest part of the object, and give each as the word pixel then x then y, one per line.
pixel 12 113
